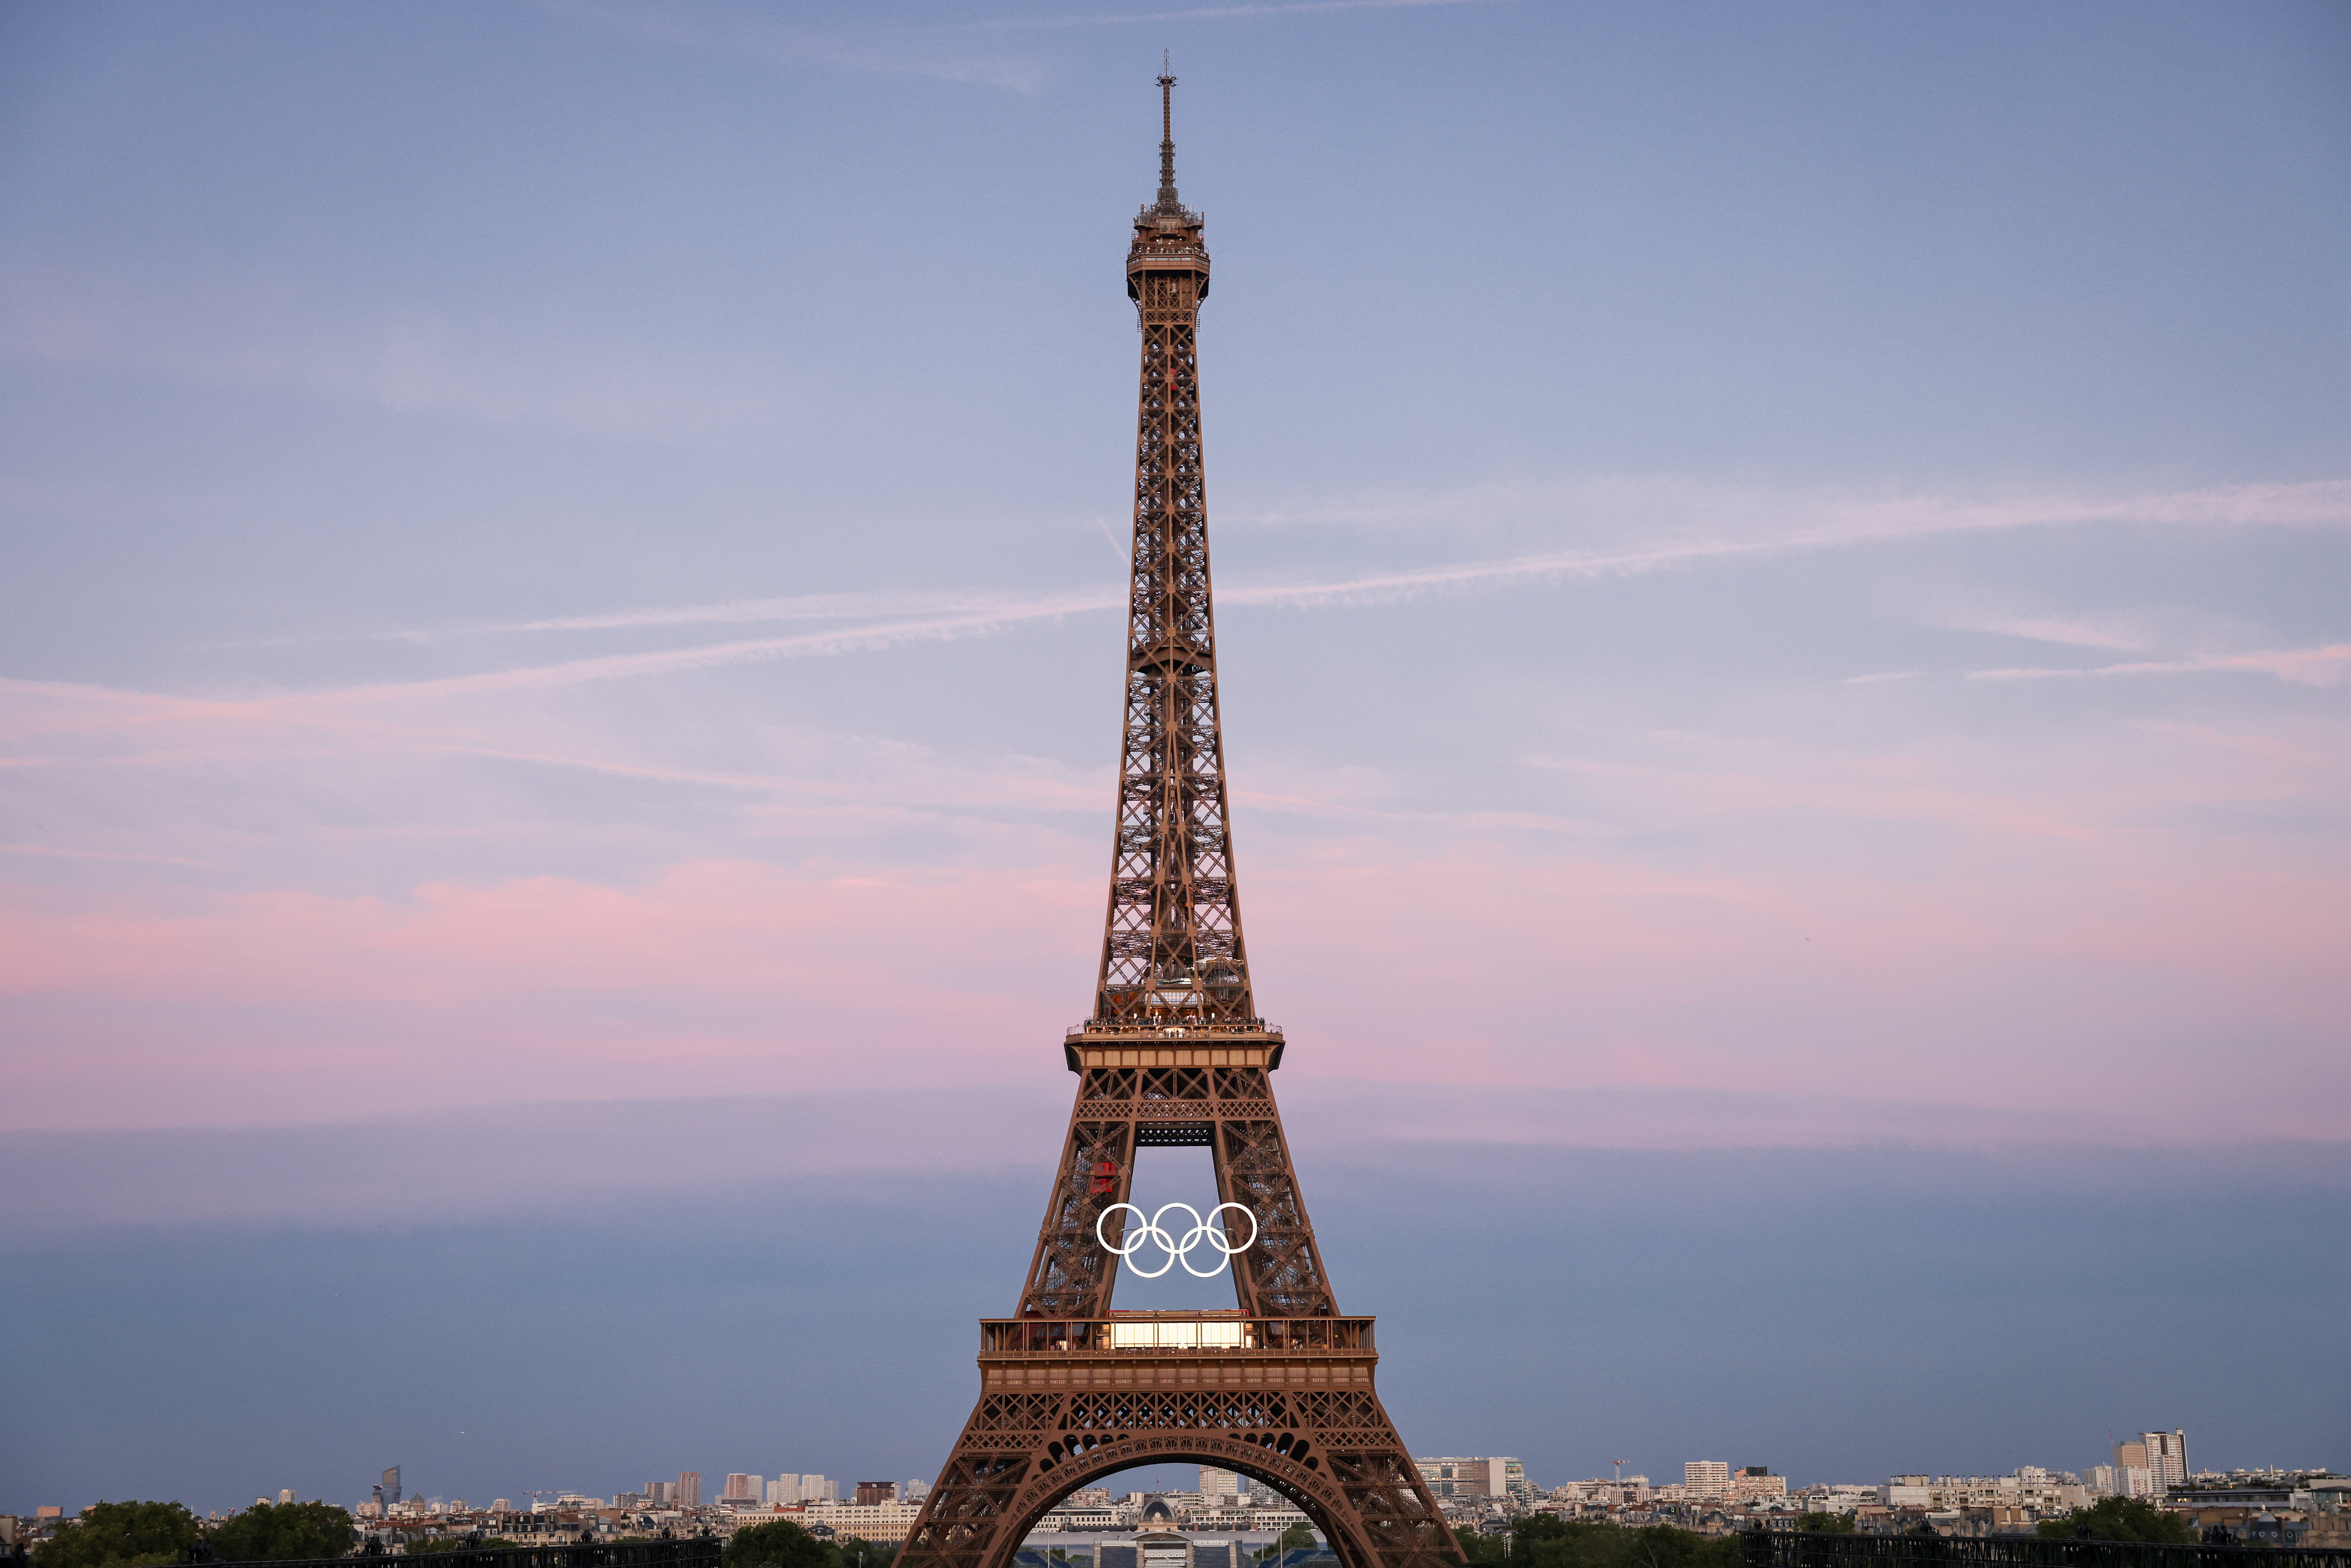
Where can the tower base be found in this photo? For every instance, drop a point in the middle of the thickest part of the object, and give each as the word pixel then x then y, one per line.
pixel 1288 1402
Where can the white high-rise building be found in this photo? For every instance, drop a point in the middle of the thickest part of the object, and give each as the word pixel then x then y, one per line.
pixel 1216 1484
pixel 1705 1478
pixel 2166 1459
pixel 784 1491
pixel 914 1490
pixel 2121 1480
pixel 741 1487
pixel 285 1496
pixel 1474 1478
pixel 816 1488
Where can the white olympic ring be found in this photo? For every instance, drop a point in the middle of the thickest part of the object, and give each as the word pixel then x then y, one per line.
pixel 1202 1230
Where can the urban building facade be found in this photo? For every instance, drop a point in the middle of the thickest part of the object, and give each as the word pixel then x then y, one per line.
pixel 1706 1478
pixel 2165 1455
pixel 1467 1477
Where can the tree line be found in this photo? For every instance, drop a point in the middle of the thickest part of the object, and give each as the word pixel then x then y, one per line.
pixel 155 1534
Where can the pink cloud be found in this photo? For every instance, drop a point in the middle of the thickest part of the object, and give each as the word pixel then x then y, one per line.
pixel 2306 666
pixel 711 977
pixel 2106 992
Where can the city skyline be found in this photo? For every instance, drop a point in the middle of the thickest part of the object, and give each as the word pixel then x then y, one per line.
pixel 1784 702
pixel 1491 1479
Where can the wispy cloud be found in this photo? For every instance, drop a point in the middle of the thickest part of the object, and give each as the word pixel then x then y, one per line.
pixel 1668 506
pixel 884 619
pixel 2074 633
pixel 52 851
pixel 403 356
pixel 752 35
pixel 800 607
pixel 2306 666
pixel 896 616
pixel 1203 13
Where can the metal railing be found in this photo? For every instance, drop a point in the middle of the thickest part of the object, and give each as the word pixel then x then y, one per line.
pixel 692 1552
pixel 1816 1549
pixel 1214 1333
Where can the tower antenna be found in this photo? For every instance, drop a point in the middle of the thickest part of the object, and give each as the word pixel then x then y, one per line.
pixel 1167 198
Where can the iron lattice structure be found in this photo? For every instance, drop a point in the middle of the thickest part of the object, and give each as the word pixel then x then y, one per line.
pixel 1172 951
pixel 1281 1388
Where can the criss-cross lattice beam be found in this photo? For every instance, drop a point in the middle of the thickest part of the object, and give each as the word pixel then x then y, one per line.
pixel 1281 1276
pixel 1172 948
pixel 1071 1276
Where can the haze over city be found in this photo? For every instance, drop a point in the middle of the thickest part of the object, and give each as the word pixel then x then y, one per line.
pixel 1782 640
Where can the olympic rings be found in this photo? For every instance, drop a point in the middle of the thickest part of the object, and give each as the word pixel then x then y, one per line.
pixel 1202 1230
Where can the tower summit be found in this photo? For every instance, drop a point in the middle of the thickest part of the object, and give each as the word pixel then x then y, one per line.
pixel 1279 1388
pixel 1171 949
pixel 1167 139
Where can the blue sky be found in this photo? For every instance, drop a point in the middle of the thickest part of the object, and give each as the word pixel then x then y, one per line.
pixel 1781 584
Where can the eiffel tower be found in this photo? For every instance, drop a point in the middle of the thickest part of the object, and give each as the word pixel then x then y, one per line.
pixel 1280 1388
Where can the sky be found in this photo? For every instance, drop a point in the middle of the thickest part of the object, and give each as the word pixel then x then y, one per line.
pixel 1784 646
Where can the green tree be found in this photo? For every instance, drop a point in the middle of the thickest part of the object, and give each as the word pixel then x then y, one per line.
pixel 779 1544
pixel 1478 1548
pixel 1826 1524
pixel 283 1532
pixel 1663 1546
pixel 2122 1519
pixel 140 1534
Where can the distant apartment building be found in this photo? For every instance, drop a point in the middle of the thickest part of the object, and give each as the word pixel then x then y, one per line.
pixel 891 1521
pixel 389 1487
pixel 741 1487
pixel 914 1490
pixel 1216 1483
pixel 870 1494
pixel 1467 1477
pixel 1756 1482
pixel 1706 1479
pixel 2028 1487
pixel 689 1490
pixel 2122 1480
pixel 2163 1455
